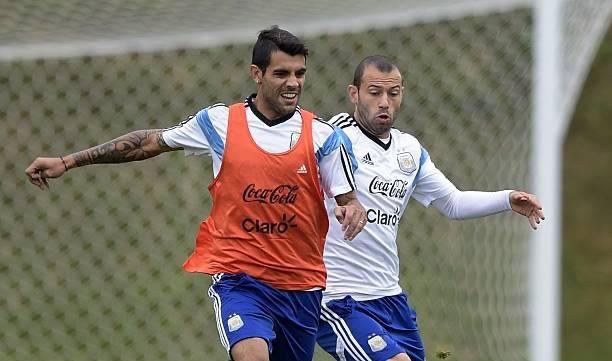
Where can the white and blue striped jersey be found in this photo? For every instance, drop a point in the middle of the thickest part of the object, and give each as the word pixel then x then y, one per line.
pixel 389 174
pixel 205 134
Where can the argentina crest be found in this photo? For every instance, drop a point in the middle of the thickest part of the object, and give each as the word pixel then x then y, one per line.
pixel 406 162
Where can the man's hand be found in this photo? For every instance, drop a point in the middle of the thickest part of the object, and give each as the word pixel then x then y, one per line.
pixel 527 205
pixel 43 168
pixel 351 214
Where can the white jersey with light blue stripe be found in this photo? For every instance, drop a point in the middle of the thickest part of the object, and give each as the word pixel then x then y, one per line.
pixel 388 175
pixel 205 134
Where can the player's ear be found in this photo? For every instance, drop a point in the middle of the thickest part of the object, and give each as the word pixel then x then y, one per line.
pixel 256 74
pixel 353 93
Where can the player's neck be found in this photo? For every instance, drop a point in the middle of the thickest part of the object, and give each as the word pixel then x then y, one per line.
pixel 265 114
pixel 265 110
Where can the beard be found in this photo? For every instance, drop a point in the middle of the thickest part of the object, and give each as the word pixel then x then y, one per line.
pixel 278 104
pixel 372 124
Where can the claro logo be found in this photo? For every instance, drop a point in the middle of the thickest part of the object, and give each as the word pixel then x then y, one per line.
pixel 283 194
pixel 259 226
pixel 379 217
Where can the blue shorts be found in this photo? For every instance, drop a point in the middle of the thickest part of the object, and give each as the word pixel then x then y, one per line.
pixel 287 320
pixel 370 330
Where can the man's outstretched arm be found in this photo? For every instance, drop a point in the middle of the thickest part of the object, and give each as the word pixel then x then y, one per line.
pixel 134 146
pixel 474 204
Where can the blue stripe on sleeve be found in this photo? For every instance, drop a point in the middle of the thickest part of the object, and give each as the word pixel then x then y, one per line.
pixel 422 160
pixel 349 148
pixel 213 138
pixel 334 141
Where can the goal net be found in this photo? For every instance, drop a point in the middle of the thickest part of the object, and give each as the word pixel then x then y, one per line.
pixel 91 270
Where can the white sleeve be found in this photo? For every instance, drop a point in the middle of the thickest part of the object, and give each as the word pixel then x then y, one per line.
pixel 430 183
pixel 432 187
pixel 335 158
pixel 189 136
pixel 201 134
pixel 473 204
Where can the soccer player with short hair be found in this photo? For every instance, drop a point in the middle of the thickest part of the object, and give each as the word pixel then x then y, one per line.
pixel 263 241
pixel 366 315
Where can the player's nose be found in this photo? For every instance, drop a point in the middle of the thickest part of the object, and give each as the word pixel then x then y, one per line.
pixel 292 82
pixel 384 102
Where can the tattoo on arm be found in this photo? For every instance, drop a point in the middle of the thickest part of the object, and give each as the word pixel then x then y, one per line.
pixel 161 142
pixel 137 145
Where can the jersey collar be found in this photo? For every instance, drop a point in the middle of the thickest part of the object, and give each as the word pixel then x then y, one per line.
pixel 263 118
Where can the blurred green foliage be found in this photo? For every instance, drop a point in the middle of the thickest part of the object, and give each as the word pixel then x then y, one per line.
pixel 587 219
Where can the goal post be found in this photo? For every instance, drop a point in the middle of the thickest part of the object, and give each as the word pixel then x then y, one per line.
pixel 547 140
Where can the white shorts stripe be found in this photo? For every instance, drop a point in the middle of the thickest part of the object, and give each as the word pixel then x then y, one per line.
pixel 217 277
pixel 340 337
pixel 340 349
pixel 342 331
pixel 218 316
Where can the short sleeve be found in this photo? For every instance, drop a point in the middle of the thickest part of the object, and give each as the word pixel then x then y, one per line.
pixel 201 134
pixel 335 158
pixel 189 136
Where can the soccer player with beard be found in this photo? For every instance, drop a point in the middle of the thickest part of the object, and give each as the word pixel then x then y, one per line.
pixel 263 241
pixel 366 315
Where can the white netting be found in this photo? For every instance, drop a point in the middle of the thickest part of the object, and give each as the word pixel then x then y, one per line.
pixel 91 270
pixel 584 23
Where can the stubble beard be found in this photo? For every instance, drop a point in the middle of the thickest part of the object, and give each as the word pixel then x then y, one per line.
pixel 368 121
pixel 275 102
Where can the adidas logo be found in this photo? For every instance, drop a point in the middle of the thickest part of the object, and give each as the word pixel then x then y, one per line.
pixel 367 159
pixel 302 169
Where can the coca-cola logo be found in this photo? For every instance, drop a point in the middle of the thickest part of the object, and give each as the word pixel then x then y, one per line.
pixel 283 194
pixel 396 188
